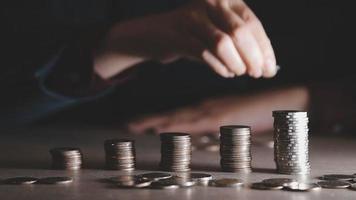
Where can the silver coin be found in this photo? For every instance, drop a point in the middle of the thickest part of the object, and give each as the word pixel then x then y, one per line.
pixel 340 177
pixel 155 176
pixel 334 184
pixel 303 187
pixel 279 181
pixel 353 186
pixel 20 180
pixel 165 184
pixel 226 182
pixel 55 180
pixel 263 186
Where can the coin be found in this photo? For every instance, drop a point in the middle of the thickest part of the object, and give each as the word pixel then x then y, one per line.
pixel 55 180
pixel 155 176
pixel 334 184
pixel 291 142
pixel 165 184
pixel 279 181
pixel 303 187
pixel 235 152
pixel 176 151
pixel 120 154
pixel 263 186
pixel 67 158
pixel 340 177
pixel 20 180
pixel 200 178
pixel 353 186
pixel 226 182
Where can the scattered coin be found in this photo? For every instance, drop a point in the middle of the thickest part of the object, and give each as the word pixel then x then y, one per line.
pixel 263 186
pixel 291 152
pixel 130 181
pixel 353 186
pixel 183 182
pixel 302 187
pixel 334 184
pixel 55 180
pixel 235 152
pixel 340 177
pixel 155 176
pixel 66 158
pixel 226 182
pixel 279 181
pixel 20 180
pixel 165 184
pixel 120 154
pixel 201 178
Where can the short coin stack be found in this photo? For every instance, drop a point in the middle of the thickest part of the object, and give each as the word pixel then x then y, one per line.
pixel 120 154
pixel 66 158
pixel 235 152
pixel 291 152
pixel 176 152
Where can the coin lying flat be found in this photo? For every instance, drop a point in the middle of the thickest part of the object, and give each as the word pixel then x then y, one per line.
pixel 279 181
pixel 340 177
pixel 334 184
pixel 353 186
pixel 201 178
pixel 20 180
pixel 165 184
pixel 263 186
pixel 303 187
pixel 130 181
pixel 155 176
pixel 226 182
pixel 55 180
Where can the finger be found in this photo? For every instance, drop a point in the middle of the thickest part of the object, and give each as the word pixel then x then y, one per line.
pixel 255 25
pixel 216 64
pixel 197 50
pixel 243 39
pixel 221 45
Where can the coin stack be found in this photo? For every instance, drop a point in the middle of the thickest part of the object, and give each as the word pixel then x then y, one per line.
pixel 235 152
pixel 176 152
pixel 120 154
pixel 66 158
pixel 291 152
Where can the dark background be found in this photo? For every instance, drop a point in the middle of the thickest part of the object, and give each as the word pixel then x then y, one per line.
pixel 314 42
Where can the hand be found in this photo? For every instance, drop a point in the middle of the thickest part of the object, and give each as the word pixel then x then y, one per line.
pixel 253 110
pixel 225 34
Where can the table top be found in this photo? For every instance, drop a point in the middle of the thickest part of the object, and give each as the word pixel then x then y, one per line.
pixel 25 153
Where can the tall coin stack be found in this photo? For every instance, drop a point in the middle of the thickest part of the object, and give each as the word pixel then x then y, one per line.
pixel 120 154
pixel 66 158
pixel 176 152
pixel 235 152
pixel 291 152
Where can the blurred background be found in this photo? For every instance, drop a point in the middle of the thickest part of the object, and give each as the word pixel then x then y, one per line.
pixel 314 43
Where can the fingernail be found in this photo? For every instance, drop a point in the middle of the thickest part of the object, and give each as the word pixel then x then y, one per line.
pixel 257 73
pixel 270 64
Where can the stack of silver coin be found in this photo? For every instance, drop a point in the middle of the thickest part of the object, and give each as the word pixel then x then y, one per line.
pixel 66 158
pixel 291 152
pixel 176 152
pixel 235 152
pixel 120 154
